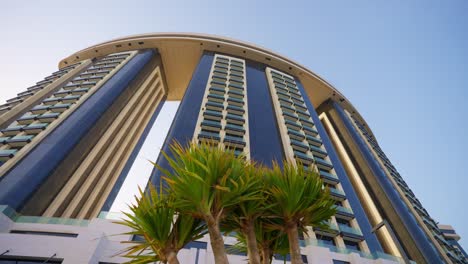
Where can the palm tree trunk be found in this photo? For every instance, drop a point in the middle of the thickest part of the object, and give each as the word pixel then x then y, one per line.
pixel 293 238
pixel 172 258
pixel 252 248
pixel 266 258
pixel 216 239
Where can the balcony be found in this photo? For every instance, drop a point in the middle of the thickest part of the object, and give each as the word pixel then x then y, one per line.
pixel 298 101
pixel 332 230
pixel 344 212
pixel 279 84
pixel 314 141
pixel 33 129
pixel 6 154
pixel 289 80
pixel 220 67
pixel 51 101
pixel 59 108
pixel 13 100
pixel 295 134
pixel 25 93
pixel 4 108
pixel 219 77
pixel 279 92
pixel 297 145
pixel 285 101
pixel 292 125
pixel 3 140
pixel 236 93
pixel 234 129
pixel 235 110
pixel 290 116
pixel 237 68
pixel 70 99
pixel 235 119
pixel 19 141
pixel 48 117
pixel 39 109
pixel 329 178
pixel 211 125
pixel 218 91
pixel 237 74
pixel 216 97
pixel 306 120
pixel 80 91
pixel 89 84
pixel 309 130
pixel 337 194
pixel 276 74
pixel 208 136
pixel 441 240
pixel 234 141
pixel 323 164
pixel 304 158
pixel 283 90
pixel 26 119
pixel 236 84
pixel 214 106
pixel 61 93
pixel 236 101
pixel 220 71
pixel 236 78
pixel 431 222
pixel 295 93
pixel 44 82
pixel 318 152
pixel 12 131
pixel 352 234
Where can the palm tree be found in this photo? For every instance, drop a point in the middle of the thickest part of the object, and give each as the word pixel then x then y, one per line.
pixel 298 199
pixel 208 182
pixel 164 231
pixel 269 241
pixel 244 215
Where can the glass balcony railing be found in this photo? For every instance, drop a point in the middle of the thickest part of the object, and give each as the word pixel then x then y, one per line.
pixel 329 176
pixel 303 157
pixel 295 134
pixel 234 127
pixel 337 192
pixel 18 218
pixel 344 209
pixel 234 140
pixel 26 138
pixel 209 135
pixel 314 141
pixel 299 145
pixel 211 124
pixel 323 163
pixel 350 230
pixel 374 256
pixel 318 151
pixel 6 154
pixel 235 117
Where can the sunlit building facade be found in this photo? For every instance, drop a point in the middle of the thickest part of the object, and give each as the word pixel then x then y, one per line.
pixel 74 148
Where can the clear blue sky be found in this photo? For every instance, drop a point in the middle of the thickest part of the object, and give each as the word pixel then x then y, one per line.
pixel 403 64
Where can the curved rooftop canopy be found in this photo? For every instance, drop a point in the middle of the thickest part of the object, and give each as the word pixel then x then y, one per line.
pixel 180 53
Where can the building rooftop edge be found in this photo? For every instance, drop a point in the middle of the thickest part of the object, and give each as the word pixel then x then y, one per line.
pixel 188 36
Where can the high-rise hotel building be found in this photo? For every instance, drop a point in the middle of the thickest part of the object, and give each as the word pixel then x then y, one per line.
pixel 71 146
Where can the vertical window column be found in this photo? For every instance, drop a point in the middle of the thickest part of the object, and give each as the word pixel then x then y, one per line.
pixel 424 219
pixel 22 131
pixel 223 118
pixel 302 143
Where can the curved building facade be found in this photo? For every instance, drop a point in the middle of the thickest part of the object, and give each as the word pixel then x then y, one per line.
pixel 74 146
